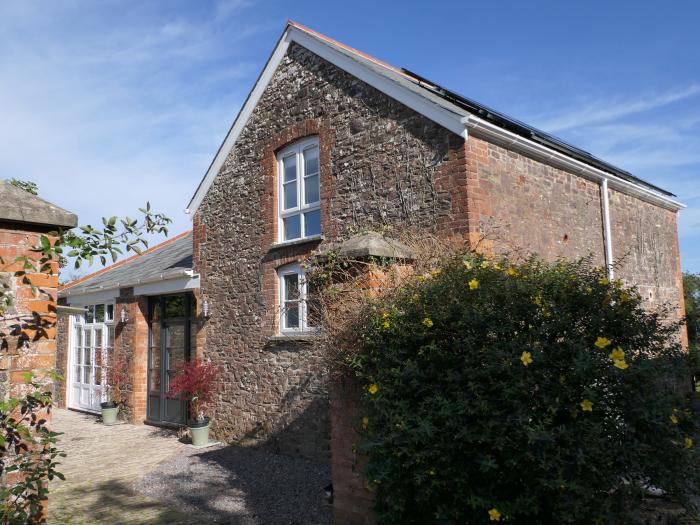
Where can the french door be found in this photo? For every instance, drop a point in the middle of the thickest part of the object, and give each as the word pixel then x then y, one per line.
pixel 172 332
pixel 91 349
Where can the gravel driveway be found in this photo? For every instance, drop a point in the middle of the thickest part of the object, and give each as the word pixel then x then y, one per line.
pixel 242 485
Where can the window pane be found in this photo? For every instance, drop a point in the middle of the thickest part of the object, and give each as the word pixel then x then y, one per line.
pixel 110 336
pixel 312 223
pixel 110 313
pixel 100 313
pixel 290 168
pixel 310 161
pixel 88 338
pixel 290 195
pixel 291 312
pixel 292 227
pixel 98 338
pixel 291 287
pixel 175 306
pixel 90 315
pixel 311 189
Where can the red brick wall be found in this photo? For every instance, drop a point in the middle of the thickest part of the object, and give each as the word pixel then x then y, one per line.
pixel 28 331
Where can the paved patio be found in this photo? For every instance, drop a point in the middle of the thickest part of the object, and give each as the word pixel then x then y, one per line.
pixel 101 467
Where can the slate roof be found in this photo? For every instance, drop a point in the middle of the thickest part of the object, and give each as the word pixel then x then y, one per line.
pixel 17 205
pixel 169 259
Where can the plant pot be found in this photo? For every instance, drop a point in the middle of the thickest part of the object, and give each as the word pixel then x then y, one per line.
pixel 109 413
pixel 199 430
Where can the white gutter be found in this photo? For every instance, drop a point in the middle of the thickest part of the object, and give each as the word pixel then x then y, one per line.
pixel 607 232
pixel 555 158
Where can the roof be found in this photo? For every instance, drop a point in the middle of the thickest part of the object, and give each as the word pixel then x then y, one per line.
pixel 17 205
pixel 169 259
pixel 455 112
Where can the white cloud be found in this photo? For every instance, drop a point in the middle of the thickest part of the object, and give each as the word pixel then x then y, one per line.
pixel 108 105
pixel 601 111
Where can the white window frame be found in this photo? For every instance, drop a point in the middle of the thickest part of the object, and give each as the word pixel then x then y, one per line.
pixel 297 150
pixel 293 269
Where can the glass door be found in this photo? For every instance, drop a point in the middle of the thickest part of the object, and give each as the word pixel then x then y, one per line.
pixel 170 344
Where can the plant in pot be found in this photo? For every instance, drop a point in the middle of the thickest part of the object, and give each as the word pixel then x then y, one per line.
pixel 117 383
pixel 194 382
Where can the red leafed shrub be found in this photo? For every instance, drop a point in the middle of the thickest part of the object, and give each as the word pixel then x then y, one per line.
pixel 118 379
pixel 194 381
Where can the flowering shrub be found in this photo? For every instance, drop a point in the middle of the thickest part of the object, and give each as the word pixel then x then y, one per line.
pixel 194 382
pixel 529 393
pixel 118 380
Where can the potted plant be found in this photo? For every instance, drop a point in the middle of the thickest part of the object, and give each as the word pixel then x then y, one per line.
pixel 117 383
pixel 194 382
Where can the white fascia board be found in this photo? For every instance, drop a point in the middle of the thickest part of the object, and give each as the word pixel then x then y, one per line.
pixel 430 110
pixel 96 297
pixel 180 284
pixel 498 135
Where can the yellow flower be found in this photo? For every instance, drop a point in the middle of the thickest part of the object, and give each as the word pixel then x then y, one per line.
pixel 589 289
pixel 386 324
pixel 537 300
pixel 602 342
pixel 435 272
pixel 617 355
pixel 604 281
pixel 473 284
pixel 497 266
pixel 512 272
pixel 688 443
pixel 624 297
pixel 621 364
pixel 365 422
pixel 467 264
pixel 428 322
pixel 494 515
pixel 674 419
pixel 485 264
pixel 526 358
pixel 586 405
pixel 373 389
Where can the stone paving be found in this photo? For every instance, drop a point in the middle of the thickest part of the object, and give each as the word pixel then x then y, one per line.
pixel 101 467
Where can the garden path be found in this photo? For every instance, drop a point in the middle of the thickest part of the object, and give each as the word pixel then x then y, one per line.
pixel 101 467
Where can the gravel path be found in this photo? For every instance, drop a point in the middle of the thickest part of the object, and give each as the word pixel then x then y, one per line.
pixel 242 485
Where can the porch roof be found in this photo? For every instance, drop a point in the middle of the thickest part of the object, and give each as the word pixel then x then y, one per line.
pixel 168 260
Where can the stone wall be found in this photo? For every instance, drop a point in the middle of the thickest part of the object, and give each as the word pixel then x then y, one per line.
pixel 381 165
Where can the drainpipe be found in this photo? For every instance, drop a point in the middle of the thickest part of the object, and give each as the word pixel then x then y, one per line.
pixel 606 229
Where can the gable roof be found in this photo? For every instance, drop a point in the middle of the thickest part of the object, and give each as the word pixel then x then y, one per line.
pixel 169 259
pixel 447 108
pixel 17 205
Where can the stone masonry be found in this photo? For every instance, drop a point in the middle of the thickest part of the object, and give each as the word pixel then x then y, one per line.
pixel 382 166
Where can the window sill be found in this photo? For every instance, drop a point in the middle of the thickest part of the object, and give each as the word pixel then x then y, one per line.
pixel 301 337
pixel 296 242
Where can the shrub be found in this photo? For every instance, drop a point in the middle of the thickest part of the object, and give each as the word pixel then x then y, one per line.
pixel 28 455
pixel 194 382
pixel 531 393
pixel 118 380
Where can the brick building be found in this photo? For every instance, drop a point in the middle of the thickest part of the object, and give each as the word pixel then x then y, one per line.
pixel 330 142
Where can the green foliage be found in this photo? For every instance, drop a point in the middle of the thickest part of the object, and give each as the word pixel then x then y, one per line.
pixel 531 393
pixel 26 185
pixel 691 287
pixel 28 451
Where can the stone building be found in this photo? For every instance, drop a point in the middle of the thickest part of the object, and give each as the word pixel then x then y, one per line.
pixel 331 141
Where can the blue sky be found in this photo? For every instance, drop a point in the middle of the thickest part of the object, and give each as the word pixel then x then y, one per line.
pixel 107 104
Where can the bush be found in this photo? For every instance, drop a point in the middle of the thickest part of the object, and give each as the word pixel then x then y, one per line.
pixel 531 393
pixel 195 382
